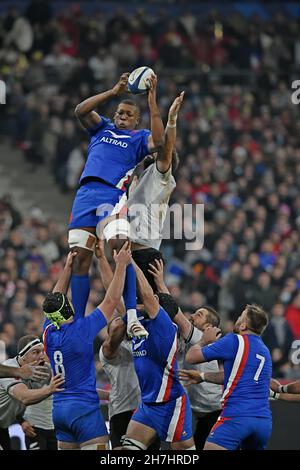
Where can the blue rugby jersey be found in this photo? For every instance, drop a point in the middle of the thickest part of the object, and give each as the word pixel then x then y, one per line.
pixel 71 353
pixel 247 374
pixel 114 153
pixel 155 360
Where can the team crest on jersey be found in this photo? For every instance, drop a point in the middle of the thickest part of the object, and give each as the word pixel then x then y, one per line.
pixel 118 136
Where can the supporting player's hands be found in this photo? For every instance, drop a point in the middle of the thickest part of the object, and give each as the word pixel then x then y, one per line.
pixel 33 371
pixel 123 257
pixel 99 249
pixel 274 385
pixel 56 383
pixel 190 376
pixel 28 429
pixel 121 87
pixel 210 335
pixel 70 260
pixel 157 271
pixel 175 106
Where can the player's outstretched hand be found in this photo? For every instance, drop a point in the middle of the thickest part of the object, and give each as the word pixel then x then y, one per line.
pixel 121 87
pixel 210 335
pixel 152 83
pixel 28 430
pixel 70 259
pixel 274 385
pixel 157 271
pixel 34 372
pixel 175 106
pixel 123 257
pixel 189 376
pixel 56 383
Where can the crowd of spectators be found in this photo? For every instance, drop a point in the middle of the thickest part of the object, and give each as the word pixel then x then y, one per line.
pixel 238 143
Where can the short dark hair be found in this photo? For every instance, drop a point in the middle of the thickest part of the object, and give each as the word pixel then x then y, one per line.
pixel 258 318
pixel 213 318
pixel 130 103
pixel 25 340
pixel 52 302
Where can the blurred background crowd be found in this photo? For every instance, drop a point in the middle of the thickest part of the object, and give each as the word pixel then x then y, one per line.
pixel 238 142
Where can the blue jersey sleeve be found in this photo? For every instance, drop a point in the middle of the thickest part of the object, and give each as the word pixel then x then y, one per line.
pixel 223 349
pixel 90 326
pixel 163 325
pixel 103 123
pixel 143 150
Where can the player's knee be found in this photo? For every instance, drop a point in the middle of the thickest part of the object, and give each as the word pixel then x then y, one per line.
pixel 97 446
pixel 79 238
pixel 83 242
pixel 132 444
pixel 118 230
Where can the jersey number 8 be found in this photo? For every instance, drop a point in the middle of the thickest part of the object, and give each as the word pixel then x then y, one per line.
pixel 58 359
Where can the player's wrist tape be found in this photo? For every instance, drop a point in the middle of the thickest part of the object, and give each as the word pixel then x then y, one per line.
pixel 194 336
pixel 202 376
pixel 172 121
pixel 82 239
pixel 283 389
pixel 274 395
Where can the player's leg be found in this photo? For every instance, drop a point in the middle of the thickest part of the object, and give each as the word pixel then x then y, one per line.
pixel 212 446
pixel 179 424
pixel 258 440
pixel 138 436
pixel 118 425
pixel 99 443
pixel 116 232
pixel 61 445
pixel 83 242
pixel 227 433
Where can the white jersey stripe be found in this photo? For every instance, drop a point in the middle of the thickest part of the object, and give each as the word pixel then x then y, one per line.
pixel 235 367
pixel 174 420
pixel 166 373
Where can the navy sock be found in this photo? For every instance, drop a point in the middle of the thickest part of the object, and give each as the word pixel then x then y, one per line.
pixel 80 287
pixel 129 293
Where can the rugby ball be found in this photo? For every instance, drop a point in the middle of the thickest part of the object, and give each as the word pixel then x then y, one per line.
pixel 138 80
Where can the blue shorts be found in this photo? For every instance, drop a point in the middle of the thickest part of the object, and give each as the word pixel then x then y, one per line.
pixel 93 202
pixel 78 422
pixel 241 433
pixel 171 420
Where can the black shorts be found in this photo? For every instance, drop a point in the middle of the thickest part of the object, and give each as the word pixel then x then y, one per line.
pixel 45 440
pixel 145 257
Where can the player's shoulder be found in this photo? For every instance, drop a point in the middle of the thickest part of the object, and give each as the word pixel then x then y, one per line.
pixel 140 132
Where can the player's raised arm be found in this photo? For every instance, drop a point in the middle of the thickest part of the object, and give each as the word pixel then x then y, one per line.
pixel 195 355
pixel 191 377
pixel 85 111
pixel 63 282
pixel 106 273
pixel 157 137
pixel 164 158
pixel 30 397
pixel 149 300
pixel 116 334
pixel 115 290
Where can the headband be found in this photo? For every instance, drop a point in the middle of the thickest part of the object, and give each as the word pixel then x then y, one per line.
pixel 29 346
